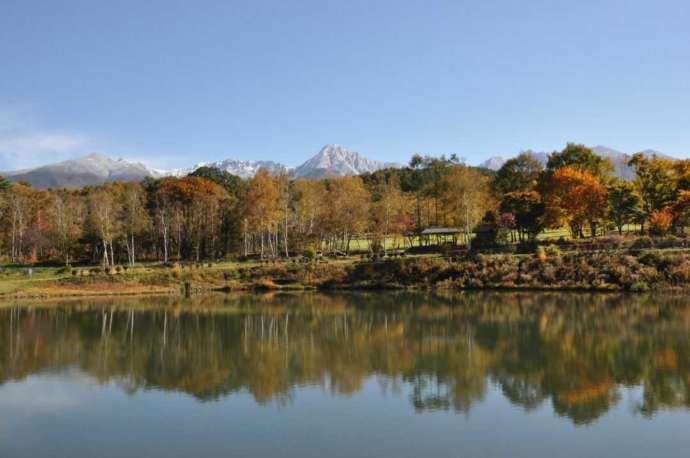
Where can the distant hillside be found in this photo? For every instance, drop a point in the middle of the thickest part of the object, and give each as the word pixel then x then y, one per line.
pixel 93 169
pixel 496 162
pixel 619 160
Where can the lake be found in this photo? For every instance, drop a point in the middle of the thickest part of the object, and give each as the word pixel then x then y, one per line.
pixel 347 375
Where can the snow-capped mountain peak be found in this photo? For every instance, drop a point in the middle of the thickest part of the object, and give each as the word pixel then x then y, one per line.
pixel 335 160
pixel 493 163
pixel 94 169
pixel 238 167
pixel 245 169
pixel 97 168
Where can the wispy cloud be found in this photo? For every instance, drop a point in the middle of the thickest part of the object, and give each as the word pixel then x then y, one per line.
pixel 24 144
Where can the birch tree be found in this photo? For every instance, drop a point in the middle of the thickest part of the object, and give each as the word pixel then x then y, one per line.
pixel 104 221
pixel 135 218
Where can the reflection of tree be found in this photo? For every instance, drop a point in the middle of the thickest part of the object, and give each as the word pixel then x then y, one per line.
pixel 522 391
pixel 573 350
pixel 450 372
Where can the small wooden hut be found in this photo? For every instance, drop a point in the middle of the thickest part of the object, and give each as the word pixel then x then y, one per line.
pixel 440 235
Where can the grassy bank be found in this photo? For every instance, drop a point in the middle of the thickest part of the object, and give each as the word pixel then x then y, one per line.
pixel 546 269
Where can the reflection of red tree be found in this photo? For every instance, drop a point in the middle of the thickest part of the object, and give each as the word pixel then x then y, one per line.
pixel 666 359
pixel 586 393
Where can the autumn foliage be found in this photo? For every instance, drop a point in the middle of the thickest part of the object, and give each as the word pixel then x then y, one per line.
pixel 212 215
pixel 576 198
pixel 660 221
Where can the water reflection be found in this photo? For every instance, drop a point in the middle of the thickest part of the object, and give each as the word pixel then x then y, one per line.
pixel 574 352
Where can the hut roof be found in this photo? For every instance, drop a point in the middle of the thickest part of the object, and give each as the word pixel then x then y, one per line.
pixel 483 228
pixel 441 231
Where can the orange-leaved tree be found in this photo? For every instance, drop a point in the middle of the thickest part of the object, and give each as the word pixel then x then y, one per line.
pixel 660 221
pixel 575 197
pixel 680 211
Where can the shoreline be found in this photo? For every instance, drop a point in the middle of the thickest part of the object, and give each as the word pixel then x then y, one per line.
pixel 526 289
pixel 262 288
pixel 622 271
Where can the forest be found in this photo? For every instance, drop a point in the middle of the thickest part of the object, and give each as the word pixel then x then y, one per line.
pixel 212 215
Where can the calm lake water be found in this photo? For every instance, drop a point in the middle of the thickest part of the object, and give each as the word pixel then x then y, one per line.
pixel 358 375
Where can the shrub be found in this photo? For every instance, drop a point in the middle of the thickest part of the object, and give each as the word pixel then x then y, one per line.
pixel 309 253
pixel 680 273
pixel 481 259
pixel 639 286
pixel 628 261
pixel 641 243
pixel 540 253
pixel 474 283
pixel 612 242
pixel 526 247
pixel 653 258
pixel 548 275
pixel 553 251
pixel 265 284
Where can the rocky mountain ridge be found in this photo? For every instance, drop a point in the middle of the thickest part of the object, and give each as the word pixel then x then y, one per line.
pixel 95 169
pixel 331 160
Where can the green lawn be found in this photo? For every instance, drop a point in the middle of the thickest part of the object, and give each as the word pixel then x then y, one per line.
pixel 554 234
pixel 363 244
pixel 15 278
pixel 547 235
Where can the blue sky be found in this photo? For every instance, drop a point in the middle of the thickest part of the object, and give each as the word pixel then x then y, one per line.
pixel 177 82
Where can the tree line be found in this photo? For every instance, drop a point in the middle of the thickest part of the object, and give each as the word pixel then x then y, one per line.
pixel 212 214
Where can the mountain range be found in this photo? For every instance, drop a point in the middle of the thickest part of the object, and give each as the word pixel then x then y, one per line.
pixel 620 160
pixel 242 169
pixel 331 160
pixel 94 169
